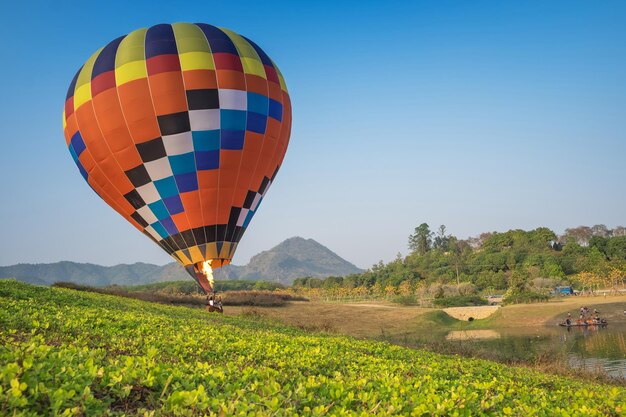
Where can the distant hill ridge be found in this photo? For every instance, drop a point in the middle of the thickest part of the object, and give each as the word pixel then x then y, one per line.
pixel 293 258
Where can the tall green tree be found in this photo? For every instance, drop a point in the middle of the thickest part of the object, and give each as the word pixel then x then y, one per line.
pixel 616 248
pixel 441 240
pixel 421 240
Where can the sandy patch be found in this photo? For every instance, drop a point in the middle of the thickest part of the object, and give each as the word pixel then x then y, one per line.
pixel 472 334
pixel 368 305
pixel 464 313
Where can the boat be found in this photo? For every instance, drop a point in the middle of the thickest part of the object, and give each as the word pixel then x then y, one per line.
pixel 601 323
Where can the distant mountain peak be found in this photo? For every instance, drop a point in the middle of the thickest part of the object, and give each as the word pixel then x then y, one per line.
pixel 294 258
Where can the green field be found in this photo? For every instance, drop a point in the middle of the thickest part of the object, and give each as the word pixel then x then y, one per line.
pixel 64 352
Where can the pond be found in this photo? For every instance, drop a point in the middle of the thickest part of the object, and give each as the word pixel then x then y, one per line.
pixel 592 348
pixel 595 348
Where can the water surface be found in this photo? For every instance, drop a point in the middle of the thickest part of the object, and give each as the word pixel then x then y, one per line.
pixel 594 347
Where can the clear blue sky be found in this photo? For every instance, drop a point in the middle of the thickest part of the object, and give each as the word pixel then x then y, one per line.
pixel 482 116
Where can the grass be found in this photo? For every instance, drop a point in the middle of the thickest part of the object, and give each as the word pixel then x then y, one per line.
pixel 64 352
pixel 443 320
pixel 359 320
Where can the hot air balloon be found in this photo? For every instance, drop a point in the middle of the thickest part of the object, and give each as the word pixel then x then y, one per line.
pixel 181 129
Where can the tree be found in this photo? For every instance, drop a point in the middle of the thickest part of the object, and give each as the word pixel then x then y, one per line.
pixel 616 248
pixel 588 280
pixel 441 240
pixel 518 279
pixel 376 290
pixel 421 240
pixel 541 236
pixel 614 277
pixel 599 242
pixel 405 288
pixel 600 230
pixel 619 231
pixel 484 237
pixel 390 291
pixel 580 234
pixel 455 247
pixel 552 270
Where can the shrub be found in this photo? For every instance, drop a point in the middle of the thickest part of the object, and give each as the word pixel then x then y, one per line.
pixel 523 296
pixel 74 286
pixel 406 300
pixel 435 290
pixel 252 298
pixel 466 288
pixel 540 284
pixel 460 301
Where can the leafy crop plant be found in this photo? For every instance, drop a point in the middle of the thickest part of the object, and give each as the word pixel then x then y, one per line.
pixel 64 352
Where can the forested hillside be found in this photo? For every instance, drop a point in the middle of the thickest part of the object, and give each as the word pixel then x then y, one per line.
pixel 587 257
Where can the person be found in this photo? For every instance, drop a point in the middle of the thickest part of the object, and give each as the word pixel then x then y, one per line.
pixel 211 301
pixel 219 303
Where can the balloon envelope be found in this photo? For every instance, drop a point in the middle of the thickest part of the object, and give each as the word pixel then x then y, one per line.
pixel 181 129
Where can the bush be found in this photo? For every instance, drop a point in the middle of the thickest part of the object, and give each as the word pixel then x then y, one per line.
pixel 466 288
pixel 460 301
pixel 523 296
pixel 73 286
pixel 542 284
pixel 406 300
pixel 463 289
pixel 435 290
pixel 258 298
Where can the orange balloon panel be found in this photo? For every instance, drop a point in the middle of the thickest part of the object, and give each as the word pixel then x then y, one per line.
pixel 181 129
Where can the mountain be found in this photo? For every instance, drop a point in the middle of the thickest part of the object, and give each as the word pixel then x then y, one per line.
pixel 294 258
pixel 94 275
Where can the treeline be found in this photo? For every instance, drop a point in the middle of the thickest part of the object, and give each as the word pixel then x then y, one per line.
pixel 585 257
pixel 237 293
pixel 191 287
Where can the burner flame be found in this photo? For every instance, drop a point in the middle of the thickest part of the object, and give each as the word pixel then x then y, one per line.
pixel 208 271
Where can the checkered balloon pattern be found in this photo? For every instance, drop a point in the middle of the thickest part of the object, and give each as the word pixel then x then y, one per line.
pixel 181 129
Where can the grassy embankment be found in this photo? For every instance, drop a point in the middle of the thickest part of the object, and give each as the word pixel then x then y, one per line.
pixel 77 353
